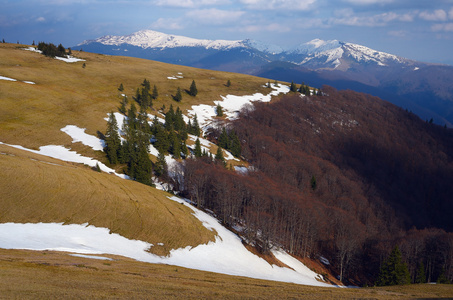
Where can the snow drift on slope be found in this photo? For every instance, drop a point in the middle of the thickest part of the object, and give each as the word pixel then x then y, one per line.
pixel 226 255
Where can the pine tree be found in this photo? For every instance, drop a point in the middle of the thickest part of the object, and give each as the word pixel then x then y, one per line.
pixel 132 117
pixel 223 139
pixel 293 87
pixel 160 168
pixel 442 279
pixel 121 88
pixel 155 93
pixel 393 271
pixel 170 118
pixel 228 84
pixel 193 89
pixel 179 120
pixel 112 140
pixel 142 167
pixel 219 110
pixel 197 150
pixel 178 96
pixel 421 275
pixel 219 156
pixel 194 128
pixel 123 104
pixel 234 144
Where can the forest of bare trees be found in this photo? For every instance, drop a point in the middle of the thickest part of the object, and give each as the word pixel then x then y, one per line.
pixel 345 175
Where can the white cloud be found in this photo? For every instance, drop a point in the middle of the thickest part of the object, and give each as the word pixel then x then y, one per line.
pixel 450 14
pixel 367 2
pixel 448 27
pixel 167 23
pixel 40 19
pixel 274 27
pixel 369 21
pixel 189 3
pixel 175 3
pixel 437 15
pixel 214 16
pixel 279 4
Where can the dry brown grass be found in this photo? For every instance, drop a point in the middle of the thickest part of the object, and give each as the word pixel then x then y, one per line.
pixel 66 93
pixel 45 275
pixel 40 189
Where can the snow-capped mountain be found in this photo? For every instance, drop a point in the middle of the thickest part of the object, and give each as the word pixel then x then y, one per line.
pixel 335 54
pixel 424 88
pixel 152 39
pixel 314 54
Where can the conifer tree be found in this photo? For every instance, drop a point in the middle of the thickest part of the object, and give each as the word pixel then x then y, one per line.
pixel 442 279
pixel 155 93
pixel 293 87
pixel 142 167
pixel 160 168
pixel 132 117
pixel 112 140
pixel 228 84
pixel 121 88
pixel 393 271
pixel 219 110
pixel 193 89
pixel 219 156
pixel 170 118
pixel 178 96
pixel 194 128
pixel 234 145
pixel 123 104
pixel 179 120
pixel 197 150
pixel 223 139
pixel 162 142
pixel 421 275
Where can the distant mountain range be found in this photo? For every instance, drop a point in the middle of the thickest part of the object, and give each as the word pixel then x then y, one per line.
pixel 424 88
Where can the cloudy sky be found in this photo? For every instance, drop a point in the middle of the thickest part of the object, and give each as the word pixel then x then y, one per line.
pixel 416 29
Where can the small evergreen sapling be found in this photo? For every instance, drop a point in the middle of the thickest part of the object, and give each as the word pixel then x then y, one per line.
pixel 219 110
pixel 193 89
pixel 178 96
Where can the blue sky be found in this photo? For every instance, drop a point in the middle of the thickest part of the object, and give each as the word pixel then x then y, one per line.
pixel 416 29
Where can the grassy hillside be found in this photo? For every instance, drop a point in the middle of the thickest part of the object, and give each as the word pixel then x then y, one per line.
pixel 40 189
pixel 45 274
pixel 66 93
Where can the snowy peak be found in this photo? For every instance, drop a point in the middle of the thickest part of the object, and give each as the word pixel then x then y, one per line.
pixel 362 53
pixel 315 46
pixel 315 54
pixel 153 39
pixel 331 54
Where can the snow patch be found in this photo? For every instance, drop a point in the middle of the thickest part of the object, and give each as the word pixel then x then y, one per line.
pixel 78 135
pixel 226 255
pixel 69 59
pixel 91 256
pixel 61 153
pixel 7 78
pixel 231 105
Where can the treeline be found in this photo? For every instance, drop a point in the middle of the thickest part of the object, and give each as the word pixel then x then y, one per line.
pixel 51 50
pixel 345 175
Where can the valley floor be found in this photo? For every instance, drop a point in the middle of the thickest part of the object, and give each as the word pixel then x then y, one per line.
pixel 46 274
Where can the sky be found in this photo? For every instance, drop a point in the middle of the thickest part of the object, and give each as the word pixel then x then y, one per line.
pixel 415 29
